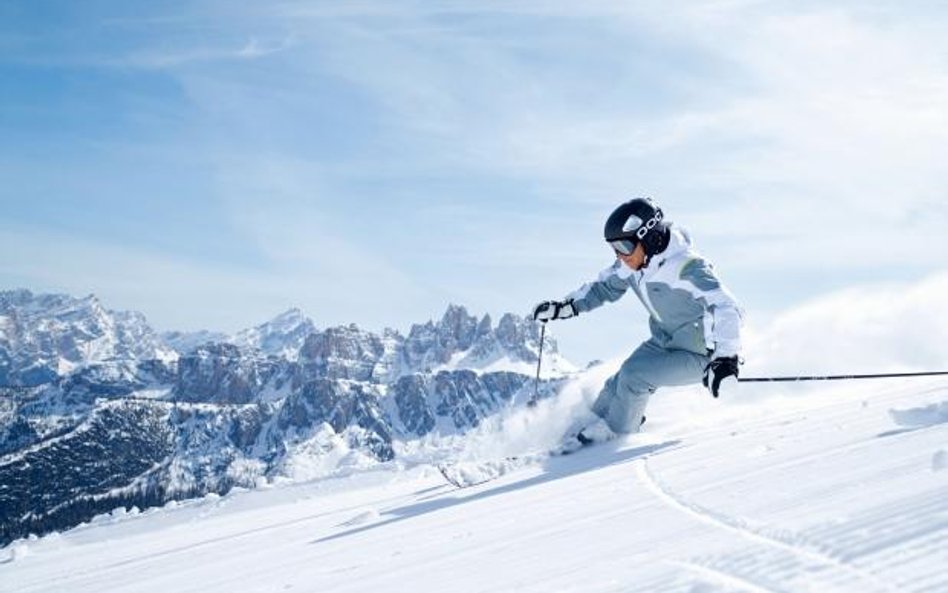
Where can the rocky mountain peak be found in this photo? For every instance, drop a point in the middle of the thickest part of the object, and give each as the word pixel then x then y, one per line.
pixel 43 336
pixel 342 352
pixel 457 328
pixel 456 314
pixel 282 336
pixel 14 296
pixel 289 320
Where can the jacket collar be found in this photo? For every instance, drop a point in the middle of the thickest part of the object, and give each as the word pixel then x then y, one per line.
pixel 679 241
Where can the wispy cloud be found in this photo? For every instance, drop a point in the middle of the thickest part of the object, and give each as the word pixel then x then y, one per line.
pixel 307 268
pixel 252 48
pixel 873 328
pixel 469 151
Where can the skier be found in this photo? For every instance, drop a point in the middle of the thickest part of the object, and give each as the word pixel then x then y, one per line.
pixel 694 320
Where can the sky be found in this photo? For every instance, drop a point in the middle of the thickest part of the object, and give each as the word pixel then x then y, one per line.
pixel 212 164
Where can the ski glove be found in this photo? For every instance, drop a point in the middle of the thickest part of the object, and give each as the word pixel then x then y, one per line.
pixel 549 310
pixel 717 371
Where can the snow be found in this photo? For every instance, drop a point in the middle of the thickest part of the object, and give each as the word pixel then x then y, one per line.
pixel 282 336
pixel 832 488
pixel 154 393
pixel 187 342
pixel 940 460
pixel 554 365
pixel 927 416
pixel 323 455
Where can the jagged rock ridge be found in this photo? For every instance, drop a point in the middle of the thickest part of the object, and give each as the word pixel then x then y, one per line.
pixel 80 383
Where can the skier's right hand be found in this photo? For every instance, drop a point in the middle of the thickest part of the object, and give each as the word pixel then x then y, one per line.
pixel 549 310
pixel 720 372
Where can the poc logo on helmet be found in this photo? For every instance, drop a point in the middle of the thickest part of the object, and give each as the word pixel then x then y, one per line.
pixel 649 225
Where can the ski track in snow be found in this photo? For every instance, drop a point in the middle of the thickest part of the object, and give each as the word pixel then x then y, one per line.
pixel 882 539
pixel 205 542
pixel 723 578
pixel 787 541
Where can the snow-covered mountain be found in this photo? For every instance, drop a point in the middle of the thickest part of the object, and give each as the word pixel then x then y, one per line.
pixel 185 342
pixel 283 335
pixel 117 417
pixel 460 340
pixel 50 335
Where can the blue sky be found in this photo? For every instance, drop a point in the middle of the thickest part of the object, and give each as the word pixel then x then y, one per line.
pixel 212 164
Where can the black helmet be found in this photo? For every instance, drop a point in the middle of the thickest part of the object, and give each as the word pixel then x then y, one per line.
pixel 637 221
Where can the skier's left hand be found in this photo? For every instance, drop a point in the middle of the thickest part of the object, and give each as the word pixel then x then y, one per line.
pixel 718 370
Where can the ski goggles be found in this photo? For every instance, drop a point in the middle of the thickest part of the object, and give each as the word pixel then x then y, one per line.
pixel 623 246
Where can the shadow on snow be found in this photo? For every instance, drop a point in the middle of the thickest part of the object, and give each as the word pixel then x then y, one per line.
pixel 556 468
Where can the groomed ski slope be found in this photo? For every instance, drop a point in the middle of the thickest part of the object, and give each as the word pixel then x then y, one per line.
pixel 836 488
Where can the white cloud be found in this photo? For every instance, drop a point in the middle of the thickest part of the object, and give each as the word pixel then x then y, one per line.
pixel 811 107
pixel 866 329
pixel 188 56
pixel 319 274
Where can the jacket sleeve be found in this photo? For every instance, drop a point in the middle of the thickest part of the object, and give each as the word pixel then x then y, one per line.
pixel 608 287
pixel 723 316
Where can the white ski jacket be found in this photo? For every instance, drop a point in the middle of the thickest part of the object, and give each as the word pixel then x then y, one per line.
pixel 689 308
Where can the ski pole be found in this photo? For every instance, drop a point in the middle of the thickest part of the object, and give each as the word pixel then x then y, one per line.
pixel 836 377
pixel 536 383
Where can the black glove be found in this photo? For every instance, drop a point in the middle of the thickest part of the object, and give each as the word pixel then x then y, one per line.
pixel 548 310
pixel 718 370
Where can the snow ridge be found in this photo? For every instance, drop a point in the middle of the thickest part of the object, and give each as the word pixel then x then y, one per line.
pixel 813 558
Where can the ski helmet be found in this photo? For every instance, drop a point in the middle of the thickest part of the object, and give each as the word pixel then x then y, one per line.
pixel 637 221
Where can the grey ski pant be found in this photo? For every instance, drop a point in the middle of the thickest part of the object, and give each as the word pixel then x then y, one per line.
pixel 624 396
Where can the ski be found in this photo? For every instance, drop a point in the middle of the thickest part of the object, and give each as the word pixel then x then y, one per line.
pixel 465 474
